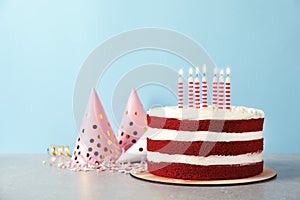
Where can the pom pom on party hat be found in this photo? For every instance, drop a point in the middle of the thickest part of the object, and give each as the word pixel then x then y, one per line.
pixel 96 141
pixel 134 122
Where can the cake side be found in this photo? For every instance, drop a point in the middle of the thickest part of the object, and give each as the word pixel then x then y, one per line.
pixel 201 144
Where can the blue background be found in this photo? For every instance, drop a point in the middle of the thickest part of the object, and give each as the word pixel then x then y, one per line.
pixel 44 43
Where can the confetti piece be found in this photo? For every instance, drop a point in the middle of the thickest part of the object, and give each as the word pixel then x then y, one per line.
pixel 59 150
pixel 63 162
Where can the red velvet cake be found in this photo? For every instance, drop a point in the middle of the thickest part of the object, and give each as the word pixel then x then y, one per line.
pixel 205 143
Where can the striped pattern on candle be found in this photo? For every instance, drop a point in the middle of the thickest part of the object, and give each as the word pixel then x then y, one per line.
pixel 197 94
pixel 204 94
pixel 190 95
pixel 215 93
pixel 180 94
pixel 221 95
pixel 227 96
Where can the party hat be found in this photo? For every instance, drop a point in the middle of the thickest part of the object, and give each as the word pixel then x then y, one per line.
pixel 96 140
pixel 134 122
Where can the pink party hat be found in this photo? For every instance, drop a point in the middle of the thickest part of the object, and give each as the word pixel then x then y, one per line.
pixel 134 122
pixel 96 140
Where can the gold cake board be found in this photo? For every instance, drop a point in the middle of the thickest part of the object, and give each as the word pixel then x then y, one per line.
pixel 267 174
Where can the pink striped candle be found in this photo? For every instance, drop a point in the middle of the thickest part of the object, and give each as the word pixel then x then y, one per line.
pixel 221 90
pixel 180 89
pixel 215 88
pixel 227 89
pixel 197 88
pixel 204 87
pixel 190 89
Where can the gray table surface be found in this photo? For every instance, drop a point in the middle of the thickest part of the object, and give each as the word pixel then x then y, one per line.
pixel 26 177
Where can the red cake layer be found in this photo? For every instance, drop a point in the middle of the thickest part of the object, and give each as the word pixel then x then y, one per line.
pixel 200 148
pixel 229 126
pixel 199 172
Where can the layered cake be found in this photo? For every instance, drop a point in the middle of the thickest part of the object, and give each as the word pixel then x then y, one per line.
pixel 205 143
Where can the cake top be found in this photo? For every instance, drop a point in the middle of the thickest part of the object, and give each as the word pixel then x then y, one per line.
pixel 210 112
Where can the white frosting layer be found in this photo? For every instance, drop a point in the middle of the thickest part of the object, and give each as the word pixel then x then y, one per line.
pixel 165 134
pixel 236 112
pixel 210 160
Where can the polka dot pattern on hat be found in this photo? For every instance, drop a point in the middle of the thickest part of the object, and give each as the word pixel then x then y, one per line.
pixel 96 140
pixel 133 124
